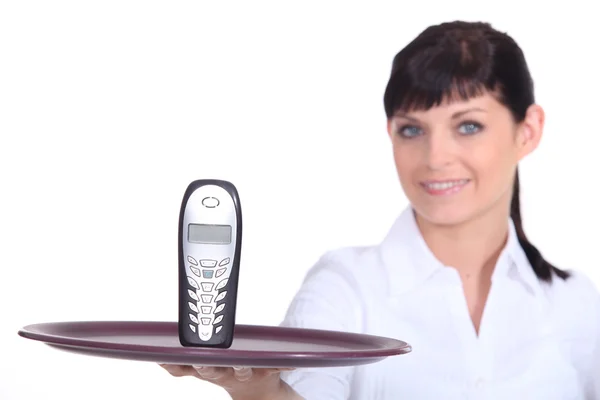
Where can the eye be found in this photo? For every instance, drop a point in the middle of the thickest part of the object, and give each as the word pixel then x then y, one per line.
pixel 409 131
pixel 470 127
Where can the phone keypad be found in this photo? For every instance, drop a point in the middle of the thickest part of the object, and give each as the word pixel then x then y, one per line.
pixel 206 295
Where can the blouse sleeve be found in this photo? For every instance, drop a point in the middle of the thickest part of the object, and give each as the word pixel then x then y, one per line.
pixel 327 299
pixel 593 381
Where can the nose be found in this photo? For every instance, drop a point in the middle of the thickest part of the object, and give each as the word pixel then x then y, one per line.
pixel 439 151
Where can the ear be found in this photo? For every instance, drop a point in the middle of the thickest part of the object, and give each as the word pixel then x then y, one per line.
pixel 530 130
pixel 389 128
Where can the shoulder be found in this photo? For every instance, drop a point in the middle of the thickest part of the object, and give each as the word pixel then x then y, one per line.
pixel 349 258
pixel 357 267
pixel 335 289
pixel 577 290
pixel 575 303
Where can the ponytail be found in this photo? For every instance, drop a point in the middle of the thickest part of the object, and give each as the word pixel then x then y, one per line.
pixel 542 268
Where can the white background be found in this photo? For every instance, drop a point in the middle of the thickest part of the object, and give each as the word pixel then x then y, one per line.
pixel 110 108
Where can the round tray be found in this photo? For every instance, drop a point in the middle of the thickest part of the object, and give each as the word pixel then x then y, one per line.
pixel 253 345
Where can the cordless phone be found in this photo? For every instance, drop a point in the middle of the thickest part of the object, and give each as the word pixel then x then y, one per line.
pixel 210 240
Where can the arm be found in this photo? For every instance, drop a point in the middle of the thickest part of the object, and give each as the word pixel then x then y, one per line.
pixel 328 299
pixel 284 392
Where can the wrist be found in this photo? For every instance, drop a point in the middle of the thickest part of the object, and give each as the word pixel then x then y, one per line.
pixel 286 393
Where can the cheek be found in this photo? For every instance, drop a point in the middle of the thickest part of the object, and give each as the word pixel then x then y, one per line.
pixel 406 162
pixel 407 169
pixel 493 170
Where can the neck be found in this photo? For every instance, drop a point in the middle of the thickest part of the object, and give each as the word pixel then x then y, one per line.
pixel 472 247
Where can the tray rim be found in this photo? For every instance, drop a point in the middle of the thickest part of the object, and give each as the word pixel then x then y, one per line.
pixel 386 346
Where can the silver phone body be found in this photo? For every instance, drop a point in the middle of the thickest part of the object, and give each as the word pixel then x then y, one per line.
pixel 210 244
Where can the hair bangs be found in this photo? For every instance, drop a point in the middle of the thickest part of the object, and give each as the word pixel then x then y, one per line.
pixel 447 71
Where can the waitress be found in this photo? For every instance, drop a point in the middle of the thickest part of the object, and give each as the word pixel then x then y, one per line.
pixel 456 277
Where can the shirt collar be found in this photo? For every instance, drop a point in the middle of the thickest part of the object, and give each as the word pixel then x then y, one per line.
pixel 410 262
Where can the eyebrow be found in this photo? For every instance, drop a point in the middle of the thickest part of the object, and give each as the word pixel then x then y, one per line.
pixel 468 110
pixel 454 116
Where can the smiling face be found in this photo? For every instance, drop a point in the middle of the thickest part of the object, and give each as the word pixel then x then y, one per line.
pixel 458 160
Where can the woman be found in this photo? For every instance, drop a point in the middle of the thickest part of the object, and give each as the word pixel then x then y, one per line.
pixel 456 277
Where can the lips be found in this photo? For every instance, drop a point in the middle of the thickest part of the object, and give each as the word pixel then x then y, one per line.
pixel 444 187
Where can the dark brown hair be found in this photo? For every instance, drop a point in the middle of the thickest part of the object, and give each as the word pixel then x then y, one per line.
pixel 461 60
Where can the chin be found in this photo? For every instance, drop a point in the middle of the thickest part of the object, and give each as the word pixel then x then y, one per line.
pixel 446 215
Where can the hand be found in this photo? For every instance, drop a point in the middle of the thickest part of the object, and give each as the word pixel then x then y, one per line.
pixel 240 382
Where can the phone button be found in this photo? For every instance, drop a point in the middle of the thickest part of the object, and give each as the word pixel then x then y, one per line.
pixel 220 272
pixel 196 271
pixel 191 260
pixel 192 294
pixel 210 202
pixel 222 284
pixel 193 318
pixel 208 273
pixel 208 263
pixel 224 262
pixel 193 283
pixel 193 306
pixel 206 298
pixel 218 329
pixel 207 286
pixel 206 309
pixel 193 328
pixel 221 296
pixel 220 308
pixel 218 319
pixel 205 321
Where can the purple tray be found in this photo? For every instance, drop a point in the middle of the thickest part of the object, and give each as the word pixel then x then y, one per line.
pixel 253 346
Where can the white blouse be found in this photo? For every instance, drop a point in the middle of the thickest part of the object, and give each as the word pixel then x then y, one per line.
pixel 537 340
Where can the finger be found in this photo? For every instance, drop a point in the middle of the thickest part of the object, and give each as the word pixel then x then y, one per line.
pixel 179 370
pixel 242 374
pixel 211 373
pixel 272 371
